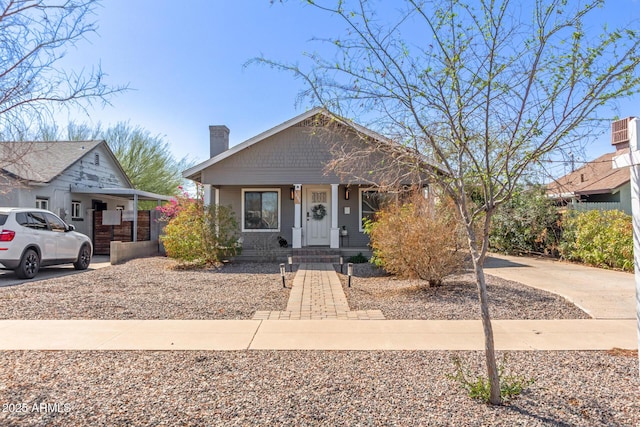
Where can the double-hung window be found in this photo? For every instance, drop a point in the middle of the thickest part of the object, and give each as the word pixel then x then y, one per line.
pixel 76 210
pixel 42 203
pixel 261 209
pixel 371 201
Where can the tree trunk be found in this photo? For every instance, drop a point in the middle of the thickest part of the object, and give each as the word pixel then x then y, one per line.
pixel 489 347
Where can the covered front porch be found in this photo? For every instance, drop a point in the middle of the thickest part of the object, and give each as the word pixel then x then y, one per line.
pixel 298 216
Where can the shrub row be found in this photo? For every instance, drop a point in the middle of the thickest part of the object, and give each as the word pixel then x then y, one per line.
pixel 598 238
pixel 530 223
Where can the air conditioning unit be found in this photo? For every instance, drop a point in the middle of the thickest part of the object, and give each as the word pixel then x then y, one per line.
pixel 620 131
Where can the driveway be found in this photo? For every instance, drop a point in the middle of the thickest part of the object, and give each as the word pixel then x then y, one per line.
pixel 8 278
pixel 603 294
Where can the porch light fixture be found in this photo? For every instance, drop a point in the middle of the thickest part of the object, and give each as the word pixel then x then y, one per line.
pixel 292 193
pixel 347 193
pixel 282 274
pixel 349 272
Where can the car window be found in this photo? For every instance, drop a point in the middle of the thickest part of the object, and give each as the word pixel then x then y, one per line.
pixel 21 218
pixel 3 218
pixel 55 223
pixel 37 221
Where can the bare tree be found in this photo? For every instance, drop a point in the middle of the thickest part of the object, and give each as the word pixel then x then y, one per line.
pixel 484 89
pixel 35 35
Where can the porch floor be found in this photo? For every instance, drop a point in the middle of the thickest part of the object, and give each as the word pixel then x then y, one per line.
pixel 317 294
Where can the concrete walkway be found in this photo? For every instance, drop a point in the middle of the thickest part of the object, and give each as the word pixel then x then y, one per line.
pixel 603 294
pixel 317 294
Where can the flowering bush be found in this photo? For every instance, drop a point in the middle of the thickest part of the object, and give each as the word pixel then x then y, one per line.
pixel 170 210
pixel 198 234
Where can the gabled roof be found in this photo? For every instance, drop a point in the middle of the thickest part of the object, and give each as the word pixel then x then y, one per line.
pixel 595 177
pixel 192 173
pixel 42 162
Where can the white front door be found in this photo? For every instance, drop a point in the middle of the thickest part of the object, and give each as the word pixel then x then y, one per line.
pixel 317 215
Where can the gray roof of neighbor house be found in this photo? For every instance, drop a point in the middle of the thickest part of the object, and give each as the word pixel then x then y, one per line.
pixel 595 177
pixel 42 162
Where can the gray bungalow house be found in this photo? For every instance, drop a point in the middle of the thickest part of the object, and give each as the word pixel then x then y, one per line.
pixel 279 187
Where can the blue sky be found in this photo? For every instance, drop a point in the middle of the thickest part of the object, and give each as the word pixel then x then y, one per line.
pixel 184 63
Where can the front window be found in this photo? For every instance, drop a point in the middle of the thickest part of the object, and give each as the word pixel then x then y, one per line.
pixel 76 210
pixel 371 201
pixel 42 203
pixel 260 210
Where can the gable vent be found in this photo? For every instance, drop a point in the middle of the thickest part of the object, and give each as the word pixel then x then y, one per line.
pixel 620 132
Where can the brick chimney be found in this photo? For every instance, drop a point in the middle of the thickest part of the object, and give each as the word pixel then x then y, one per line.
pixel 218 139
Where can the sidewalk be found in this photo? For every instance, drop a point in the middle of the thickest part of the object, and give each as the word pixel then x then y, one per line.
pixel 314 335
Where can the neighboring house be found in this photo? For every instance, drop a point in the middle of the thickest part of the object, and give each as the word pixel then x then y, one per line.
pixel 278 184
pixel 596 185
pixel 74 179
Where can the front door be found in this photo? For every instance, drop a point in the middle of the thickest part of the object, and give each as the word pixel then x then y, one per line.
pixel 317 215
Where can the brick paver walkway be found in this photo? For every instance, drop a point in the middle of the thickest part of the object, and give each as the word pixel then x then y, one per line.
pixel 317 294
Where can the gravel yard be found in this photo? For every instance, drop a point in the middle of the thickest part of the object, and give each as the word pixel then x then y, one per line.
pixel 298 388
pixel 149 289
pixel 456 299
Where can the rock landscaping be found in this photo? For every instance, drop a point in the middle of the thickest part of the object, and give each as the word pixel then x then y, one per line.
pixel 293 388
pixel 309 388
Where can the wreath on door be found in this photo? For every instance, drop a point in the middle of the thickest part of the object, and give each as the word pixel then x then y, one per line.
pixel 319 212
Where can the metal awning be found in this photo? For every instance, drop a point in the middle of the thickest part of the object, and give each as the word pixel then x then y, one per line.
pixel 129 193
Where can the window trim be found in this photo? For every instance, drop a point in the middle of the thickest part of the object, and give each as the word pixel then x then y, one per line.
pixel 360 216
pixel 261 230
pixel 42 199
pixel 79 204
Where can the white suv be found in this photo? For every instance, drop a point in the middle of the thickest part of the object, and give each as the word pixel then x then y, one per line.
pixel 31 238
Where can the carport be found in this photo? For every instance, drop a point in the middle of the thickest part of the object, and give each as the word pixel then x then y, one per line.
pixel 130 194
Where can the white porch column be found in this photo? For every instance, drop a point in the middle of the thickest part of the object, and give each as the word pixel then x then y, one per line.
pixel 206 194
pixel 335 231
pixel 297 218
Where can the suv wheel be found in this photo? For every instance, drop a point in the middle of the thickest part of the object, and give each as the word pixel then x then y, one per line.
pixel 29 265
pixel 84 258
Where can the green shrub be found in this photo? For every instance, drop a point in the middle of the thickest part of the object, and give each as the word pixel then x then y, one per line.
pixel 201 235
pixel 417 240
pixel 527 223
pixel 479 388
pixel 358 259
pixel 598 238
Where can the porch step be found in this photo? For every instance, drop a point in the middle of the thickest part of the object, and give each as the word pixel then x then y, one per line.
pixel 328 259
pixel 322 255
